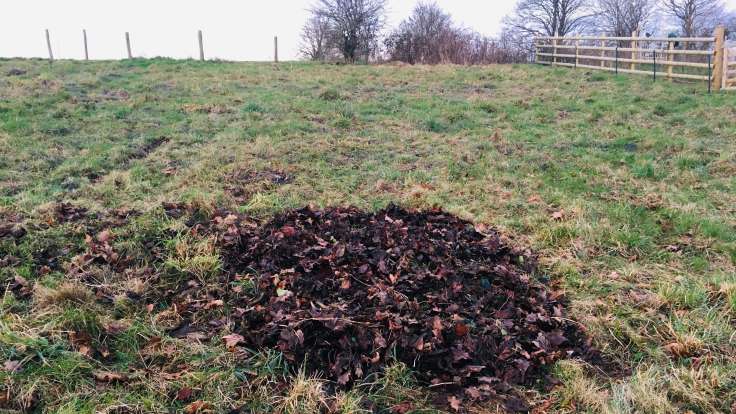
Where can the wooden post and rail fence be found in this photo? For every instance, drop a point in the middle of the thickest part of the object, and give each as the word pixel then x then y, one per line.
pixel 692 58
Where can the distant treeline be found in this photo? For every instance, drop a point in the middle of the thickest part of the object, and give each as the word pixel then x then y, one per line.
pixel 354 30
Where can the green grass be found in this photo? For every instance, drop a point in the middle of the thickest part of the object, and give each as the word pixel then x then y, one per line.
pixel 645 249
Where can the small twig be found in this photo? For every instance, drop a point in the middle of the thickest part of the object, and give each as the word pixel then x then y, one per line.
pixel 440 384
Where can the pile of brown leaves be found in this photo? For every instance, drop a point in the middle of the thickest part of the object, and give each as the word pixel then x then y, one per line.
pixel 346 292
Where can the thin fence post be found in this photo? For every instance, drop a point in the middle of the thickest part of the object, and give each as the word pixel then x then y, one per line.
pixel 276 49
pixel 654 65
pixel 577 54
pixel 201 45
pixel 710 87
pixel 127 43
pixel 86 51
pixel 554 51
pixel 48 43
pixel 617 58
pixel 719 64
pixel 634 47
pixel 670 58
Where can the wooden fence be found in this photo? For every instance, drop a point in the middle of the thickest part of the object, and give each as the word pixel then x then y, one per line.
pixel 729 68
pixel 129 49
pixel 692 58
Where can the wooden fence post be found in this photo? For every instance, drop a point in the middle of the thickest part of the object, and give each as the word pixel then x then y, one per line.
pixel 276 49
pixel 670 58
pixel 720 66
pixel 634 45
pixel 86 51
pixel 201 45
pixel 127 43
pixel 577 53
pixel 48 43
pixel 603 52
pixel 554 52
pixel 724 82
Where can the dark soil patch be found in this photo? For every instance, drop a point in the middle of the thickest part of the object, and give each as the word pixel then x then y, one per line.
pixel 143 151
pixel 242 184
pixel 15 72
pixel 347 291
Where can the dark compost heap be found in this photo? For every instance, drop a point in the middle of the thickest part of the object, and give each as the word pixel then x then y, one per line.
pixel 349 291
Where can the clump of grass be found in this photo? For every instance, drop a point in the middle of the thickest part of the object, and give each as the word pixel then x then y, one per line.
pixel 305 395
pixel 68 294
pixel 191 256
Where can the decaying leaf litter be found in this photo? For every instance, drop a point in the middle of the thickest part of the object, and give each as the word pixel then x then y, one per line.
pixel 345 292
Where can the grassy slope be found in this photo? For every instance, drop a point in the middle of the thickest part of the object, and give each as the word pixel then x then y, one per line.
pixel 644 173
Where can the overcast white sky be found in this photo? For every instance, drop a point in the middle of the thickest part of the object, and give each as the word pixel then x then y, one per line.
pixel 233 29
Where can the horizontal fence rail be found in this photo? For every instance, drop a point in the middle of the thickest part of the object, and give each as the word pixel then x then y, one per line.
pixel 690 58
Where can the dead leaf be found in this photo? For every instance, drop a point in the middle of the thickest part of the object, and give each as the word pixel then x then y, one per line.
pixel 534 199
pixel 558 215
pixel 461 329
pixel 198 406
pixel 455 403
pixel 232 340
pixel 104 236
pixel 108 376
pixel 12 366
pixel 184 394
pixel 402 408
pixel 288 231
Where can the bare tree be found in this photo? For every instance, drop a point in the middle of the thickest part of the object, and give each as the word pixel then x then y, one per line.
pixel 315 39
pixel 421 37
pixel 550 17
pixel 429 36
pixel 354 25
pixel 623 17
pixel 696 17
pixel 731 25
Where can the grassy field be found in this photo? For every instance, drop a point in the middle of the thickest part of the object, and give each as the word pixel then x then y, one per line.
pixel 624 188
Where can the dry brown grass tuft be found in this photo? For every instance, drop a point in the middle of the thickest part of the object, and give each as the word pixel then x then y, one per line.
pixel 68 293
pixel 305 395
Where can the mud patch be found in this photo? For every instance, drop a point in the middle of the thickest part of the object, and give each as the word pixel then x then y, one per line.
pixel 242 184
pixel 143 151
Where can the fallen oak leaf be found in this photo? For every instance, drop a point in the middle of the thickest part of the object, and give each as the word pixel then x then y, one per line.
pixel 232 340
